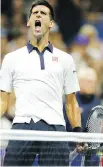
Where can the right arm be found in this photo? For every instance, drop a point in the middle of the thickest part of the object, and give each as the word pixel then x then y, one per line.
pixel 4 98
pixel 6 79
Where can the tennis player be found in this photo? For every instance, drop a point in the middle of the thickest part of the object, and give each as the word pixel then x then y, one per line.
pixel 40 74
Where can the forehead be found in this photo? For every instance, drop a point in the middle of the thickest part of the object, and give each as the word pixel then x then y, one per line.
pixel 41 8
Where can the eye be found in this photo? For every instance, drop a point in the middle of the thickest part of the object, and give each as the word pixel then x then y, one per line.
pixel 43 13
pixel 35 12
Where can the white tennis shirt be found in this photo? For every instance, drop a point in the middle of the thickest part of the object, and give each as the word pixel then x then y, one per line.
pixel 39 81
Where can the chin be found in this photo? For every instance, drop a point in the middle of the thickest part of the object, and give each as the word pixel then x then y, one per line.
pixel 39 35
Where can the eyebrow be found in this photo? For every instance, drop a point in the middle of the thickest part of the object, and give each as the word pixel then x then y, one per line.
pixel 40 11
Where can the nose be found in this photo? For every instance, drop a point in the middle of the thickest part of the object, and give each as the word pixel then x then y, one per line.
pixel 38 15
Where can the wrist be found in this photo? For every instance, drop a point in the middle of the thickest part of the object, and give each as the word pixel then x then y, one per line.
pixel 77 129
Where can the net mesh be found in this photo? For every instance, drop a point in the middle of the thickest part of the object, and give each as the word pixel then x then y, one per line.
pixel 88 157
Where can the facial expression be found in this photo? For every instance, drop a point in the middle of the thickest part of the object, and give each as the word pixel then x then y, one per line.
pixel 40 21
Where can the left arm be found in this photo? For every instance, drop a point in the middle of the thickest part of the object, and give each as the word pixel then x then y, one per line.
pixel 71 85
pixel 73 111
pixel 74 116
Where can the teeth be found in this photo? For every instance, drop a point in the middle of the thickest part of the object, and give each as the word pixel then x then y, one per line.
pixel 37 23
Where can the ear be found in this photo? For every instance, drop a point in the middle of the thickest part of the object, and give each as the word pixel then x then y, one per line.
pixel 28 23
pixel 51 24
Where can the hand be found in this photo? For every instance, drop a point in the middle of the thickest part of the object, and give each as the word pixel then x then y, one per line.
pixel 80 148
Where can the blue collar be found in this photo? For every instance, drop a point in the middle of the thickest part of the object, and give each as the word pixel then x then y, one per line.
pixel 30 47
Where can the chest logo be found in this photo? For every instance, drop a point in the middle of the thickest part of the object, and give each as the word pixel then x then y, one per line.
pixel 55 59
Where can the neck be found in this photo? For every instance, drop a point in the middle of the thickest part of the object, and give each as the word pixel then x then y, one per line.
pixel 40 42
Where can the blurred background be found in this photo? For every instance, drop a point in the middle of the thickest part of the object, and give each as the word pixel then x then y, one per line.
pixel 79 30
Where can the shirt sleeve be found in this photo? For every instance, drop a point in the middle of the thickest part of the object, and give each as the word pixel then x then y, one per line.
pixel 6 75
pixel 71 83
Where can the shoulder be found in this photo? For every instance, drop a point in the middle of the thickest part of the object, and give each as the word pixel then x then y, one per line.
pixel 65 57
pixel 12 58
pixel 15 54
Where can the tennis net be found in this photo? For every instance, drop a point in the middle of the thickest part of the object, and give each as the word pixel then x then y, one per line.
pixel 91 155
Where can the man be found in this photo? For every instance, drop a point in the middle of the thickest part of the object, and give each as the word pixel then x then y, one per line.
pixel 87 97
pixel 39 73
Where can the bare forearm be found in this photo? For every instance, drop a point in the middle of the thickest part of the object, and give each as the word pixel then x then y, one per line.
pixel 73 112
pixel 3 102
pixel 3 108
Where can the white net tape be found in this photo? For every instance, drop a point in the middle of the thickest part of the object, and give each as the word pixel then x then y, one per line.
pixel 71 137
pixel 50 136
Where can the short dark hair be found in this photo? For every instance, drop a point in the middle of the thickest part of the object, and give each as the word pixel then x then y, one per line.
pixel 44 3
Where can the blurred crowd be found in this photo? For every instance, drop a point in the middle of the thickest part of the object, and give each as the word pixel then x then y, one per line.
pixel 78 30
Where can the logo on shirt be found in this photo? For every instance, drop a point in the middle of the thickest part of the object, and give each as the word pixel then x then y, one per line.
pixel 74 71
pixel 55 59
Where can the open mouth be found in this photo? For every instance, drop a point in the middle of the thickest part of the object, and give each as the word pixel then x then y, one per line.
pixel 37 26
pixel 37 23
